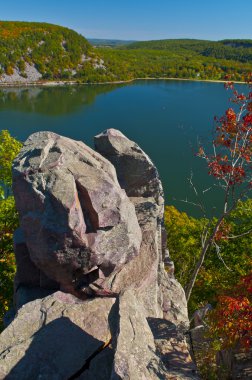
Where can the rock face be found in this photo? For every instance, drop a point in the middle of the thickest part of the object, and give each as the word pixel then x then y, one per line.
pixel 162 295
pixel 92 297
pixel 32 75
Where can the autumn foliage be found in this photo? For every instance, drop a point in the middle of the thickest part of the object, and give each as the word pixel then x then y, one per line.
pixel 233 142
pixel 231 321
pixel 214 279
pixel 229 162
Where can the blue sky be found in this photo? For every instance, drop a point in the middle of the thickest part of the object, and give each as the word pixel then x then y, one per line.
pixel 139 19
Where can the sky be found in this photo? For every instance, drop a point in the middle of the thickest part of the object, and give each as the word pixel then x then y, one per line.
pixel 139 19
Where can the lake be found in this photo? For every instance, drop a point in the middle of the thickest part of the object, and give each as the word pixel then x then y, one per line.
pixel 166 118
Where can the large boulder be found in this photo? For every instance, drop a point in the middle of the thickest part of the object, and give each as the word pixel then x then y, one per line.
pixel 78 224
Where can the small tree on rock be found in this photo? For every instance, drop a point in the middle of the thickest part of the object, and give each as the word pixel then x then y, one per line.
pixel 230 164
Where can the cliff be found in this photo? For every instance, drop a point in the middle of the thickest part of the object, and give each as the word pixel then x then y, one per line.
pixel 92 297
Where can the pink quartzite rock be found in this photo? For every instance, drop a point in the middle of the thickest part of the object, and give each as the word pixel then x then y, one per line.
pixel 135 171
pixel 137 174
pixel 92 226
pixel 79 225
pixel 55 338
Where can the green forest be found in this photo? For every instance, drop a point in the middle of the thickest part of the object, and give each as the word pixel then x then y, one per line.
pixel 59 53
pixel 187 59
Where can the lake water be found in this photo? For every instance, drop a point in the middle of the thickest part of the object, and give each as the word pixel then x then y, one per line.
pixel 166 118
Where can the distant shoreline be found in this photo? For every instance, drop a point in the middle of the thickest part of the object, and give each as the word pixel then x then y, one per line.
pixel 72 83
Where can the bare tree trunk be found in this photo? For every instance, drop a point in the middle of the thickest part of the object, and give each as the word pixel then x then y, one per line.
pixel 204 250
pixel 191 283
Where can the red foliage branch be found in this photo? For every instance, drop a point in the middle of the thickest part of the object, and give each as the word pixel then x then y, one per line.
pixel 230 163
pixel 232 318
pixel 233 141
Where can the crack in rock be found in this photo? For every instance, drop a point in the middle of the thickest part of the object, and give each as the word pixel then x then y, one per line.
pixel 87 363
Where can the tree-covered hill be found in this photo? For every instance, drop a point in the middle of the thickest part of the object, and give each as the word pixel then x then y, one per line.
pixel 108 42
pixel 238 50
pixel 172 45
pixel 48 51
pixel 33 52
pixel 182 58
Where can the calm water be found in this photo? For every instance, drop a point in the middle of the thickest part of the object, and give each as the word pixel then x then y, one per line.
pixel 166 118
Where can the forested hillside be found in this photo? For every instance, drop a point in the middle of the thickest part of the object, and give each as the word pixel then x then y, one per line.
pixel 185 58
pixel 32 52
pixel 108 42
pixel 237 50
pixel 53 51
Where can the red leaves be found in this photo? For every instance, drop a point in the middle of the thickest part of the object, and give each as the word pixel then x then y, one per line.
pixel 229 84
pixel 230 163
pixel 231 115
pixel 247 120
pixel 241 97
pixel 218 170
pixel 246 154
pixel 223 231
pixel 235 318
pixel 246 282
pixel 232 318
pixel 234 175
pixel 232 158
pixel 249 106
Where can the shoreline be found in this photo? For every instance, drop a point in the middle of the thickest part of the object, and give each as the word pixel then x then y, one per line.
pixel 73 83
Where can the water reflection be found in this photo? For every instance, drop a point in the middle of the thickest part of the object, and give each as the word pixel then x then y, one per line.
pixel 51 101
pixel 166 118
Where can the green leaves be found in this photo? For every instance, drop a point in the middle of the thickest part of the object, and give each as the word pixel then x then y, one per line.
pixel 9 148
pixel 184 243
pixel 171 61
pixel 8 223
pixel 50 48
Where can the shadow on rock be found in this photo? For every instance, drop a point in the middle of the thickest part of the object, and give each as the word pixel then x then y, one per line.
pixel 162 329
pixel 58 351
pixel 172 348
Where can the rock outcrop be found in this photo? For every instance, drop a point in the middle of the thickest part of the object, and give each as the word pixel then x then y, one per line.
pixel 135 170
pixel 30 75
pixel 92 297
pixel 78 224
pixel 72 331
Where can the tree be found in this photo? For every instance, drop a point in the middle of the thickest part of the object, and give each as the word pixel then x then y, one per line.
pixel 184 242
pixel 9 148
pixel 229 164
pixel 8 224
